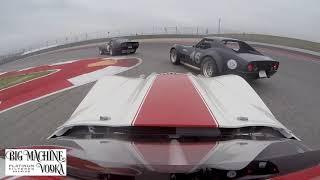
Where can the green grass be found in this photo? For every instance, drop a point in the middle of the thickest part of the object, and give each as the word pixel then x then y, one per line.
pixel 6 82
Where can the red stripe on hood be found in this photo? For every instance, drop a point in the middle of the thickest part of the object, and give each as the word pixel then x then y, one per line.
pixel 173 101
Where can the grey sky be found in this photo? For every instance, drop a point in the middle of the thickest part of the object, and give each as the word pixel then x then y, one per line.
pixel 28 22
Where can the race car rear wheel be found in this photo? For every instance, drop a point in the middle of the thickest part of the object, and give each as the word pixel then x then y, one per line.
pixel 174 57
pixel 208 67
pixel 111 53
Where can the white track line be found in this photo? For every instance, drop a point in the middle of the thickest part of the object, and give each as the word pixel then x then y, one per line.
pixel 2 73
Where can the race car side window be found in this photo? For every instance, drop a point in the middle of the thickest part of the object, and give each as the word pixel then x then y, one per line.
pixel 234 45
pixel 239 47
pixel 217 44
pixel 199 43
pixel 204 44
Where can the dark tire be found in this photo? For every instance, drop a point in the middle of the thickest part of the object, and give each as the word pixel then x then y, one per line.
pixel 209 67
pixel 133 51
pixel 174 58
pixel 101 52
pixel 112 52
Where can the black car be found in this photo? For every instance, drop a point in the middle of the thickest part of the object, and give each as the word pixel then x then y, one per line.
pixel 118 46
pixel 218 55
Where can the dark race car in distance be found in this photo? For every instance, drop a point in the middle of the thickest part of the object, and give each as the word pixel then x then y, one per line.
pixel 118 46
pixel 218 55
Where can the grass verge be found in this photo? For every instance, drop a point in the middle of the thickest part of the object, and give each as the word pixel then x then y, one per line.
pixel 9 81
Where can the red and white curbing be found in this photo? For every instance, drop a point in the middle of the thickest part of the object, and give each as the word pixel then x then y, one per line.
pixel 71 74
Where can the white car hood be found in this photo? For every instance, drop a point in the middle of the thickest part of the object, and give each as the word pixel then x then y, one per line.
pixel 173 100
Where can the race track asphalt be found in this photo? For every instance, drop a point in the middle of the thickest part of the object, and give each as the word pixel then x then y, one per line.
pixel 292 94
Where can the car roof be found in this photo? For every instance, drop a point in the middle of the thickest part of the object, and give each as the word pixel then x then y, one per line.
pixel 218 38
pixel 119 39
